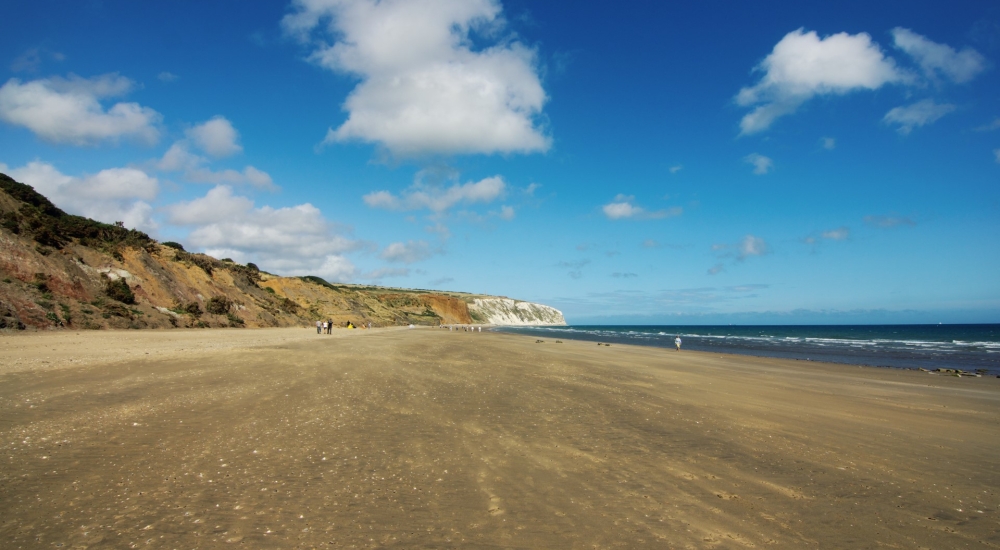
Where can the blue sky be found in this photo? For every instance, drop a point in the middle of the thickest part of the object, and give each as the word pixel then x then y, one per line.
pixel 636 163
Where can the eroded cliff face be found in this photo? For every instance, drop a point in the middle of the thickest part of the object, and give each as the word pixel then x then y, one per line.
pixel 507 312
pixel 62 271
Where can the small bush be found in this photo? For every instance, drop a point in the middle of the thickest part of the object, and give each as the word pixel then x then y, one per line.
pixel 218 305
pixel 172 244
pixel 269 290
pixel 116 310
pixel 118 290
pixel 234 321
pixel 193 308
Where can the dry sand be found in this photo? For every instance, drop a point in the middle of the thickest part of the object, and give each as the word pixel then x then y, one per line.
pixel 281 438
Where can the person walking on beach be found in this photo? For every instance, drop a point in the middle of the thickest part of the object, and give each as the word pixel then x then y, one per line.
pixel 319 327
pixel 324 326
pixel 677 342
pixel 329 326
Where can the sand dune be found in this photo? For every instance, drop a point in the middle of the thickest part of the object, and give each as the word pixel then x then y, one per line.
pixel 281 438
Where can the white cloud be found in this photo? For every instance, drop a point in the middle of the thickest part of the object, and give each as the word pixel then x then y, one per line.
pixel 716 269
pixel 889 221
pixel 438 198
pixel 828 143
pixel 507 212
pixel 995 125
pixel 408 253
pixel 69 110
pixel 747 247
pixel 295 240
pixel 752 246
pixel 939 59
pixel 676 168
pixel 839 234
pixel 921 113
pixel 622 207
pixel 179 159
pixel 761 164
pixel 167 76
pixel 997 153
pixel 216 136
pixel 424 89
pixel 115 194
pixel 802 65
pixel 385 273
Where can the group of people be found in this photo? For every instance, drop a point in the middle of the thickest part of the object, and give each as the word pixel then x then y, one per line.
pixel 464 328
pixel 326 327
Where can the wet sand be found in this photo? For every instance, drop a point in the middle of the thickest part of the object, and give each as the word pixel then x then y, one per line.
pixel 281 438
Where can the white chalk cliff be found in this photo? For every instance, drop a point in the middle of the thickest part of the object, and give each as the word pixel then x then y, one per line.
pixel 507 312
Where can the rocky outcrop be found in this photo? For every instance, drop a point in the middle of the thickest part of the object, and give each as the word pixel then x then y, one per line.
pixel 508 312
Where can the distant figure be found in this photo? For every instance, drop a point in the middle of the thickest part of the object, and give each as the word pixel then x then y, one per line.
pixel 369 325
pixel 325 327
pixel 319 327
pixel 329 326
pixel 677 342
pixel 480 329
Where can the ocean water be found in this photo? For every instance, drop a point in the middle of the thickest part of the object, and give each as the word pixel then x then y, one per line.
pixel 966 347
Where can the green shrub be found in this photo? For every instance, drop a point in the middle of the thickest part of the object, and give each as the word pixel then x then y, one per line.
pixel 193 308
pixel 118 290
pixel 172 244
pixel 234 321
pixel 269 290
pixel 218 305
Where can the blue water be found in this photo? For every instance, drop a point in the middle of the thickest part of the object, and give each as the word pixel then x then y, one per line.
pixel 966 347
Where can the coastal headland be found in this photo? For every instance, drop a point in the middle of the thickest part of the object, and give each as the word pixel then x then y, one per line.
pixel 282 438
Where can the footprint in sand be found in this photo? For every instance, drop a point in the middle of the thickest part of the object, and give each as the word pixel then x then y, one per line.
pixel 495 509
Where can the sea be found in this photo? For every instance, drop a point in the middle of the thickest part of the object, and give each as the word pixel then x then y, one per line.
pixel 972 348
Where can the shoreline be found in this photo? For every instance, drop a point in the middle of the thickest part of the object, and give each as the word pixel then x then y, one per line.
pixel 283 438
pixel 926 360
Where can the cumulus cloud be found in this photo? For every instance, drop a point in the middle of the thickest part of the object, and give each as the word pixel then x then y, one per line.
pixel 408 252
pixel 921 113
pixel 889 221
pixel 424 88
pixel 939 60
pixel 761 164
pixel 438 198
pixel 622 208
pixel 69 110
pixel 216 136
pixel 295 240
pixel 802 65
pixel 115 194
pixel 195 169
pixel 828 143
pixel 997 153
pixel 167 76
pixel 676 168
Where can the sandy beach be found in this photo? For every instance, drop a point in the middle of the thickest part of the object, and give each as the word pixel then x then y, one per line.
pixel 282 438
